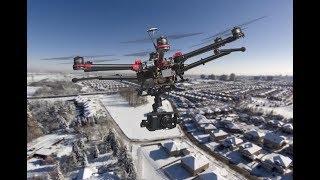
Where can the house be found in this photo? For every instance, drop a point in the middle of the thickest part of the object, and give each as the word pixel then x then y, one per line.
pixel 275 123
pixel 212 146
pixel 276 162
pixel 250 150
pixel 207 128
pixel 207 110
pixel 172 148
pixel 232 142
pixel 233 128
pixel 218 134
pixel 289 149
pixel 287 128
pixel 274 141
pixel 254 136
pixel 243 117
pixel 190 127
pixel 200 137
pixel 195 163
pixel 209 175
pixel 257 120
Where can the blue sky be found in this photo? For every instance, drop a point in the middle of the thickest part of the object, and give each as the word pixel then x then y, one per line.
pixel 63 28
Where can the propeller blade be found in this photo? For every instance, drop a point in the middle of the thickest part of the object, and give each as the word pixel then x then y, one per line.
pixel 179 36
pixel 200 44
pixel 104 60
pixel 59 58
pixel 229 29
pixel 94 61
pixel 170 37
pixel 146 53
pixel 71 57
pixel 211 41
pixel 143 53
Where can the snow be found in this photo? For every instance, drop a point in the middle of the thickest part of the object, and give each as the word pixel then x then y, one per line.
pixel 285 111
pixel 149 168
pixel 46 145
pixel 31 90
pixel 171 146
pixel 194 162
pixel 129 118
pixel 87 172
pixel 176 171
pixel 33 77
pixel 277 159
pixel 210 175
pixel 274 137
pixel 250 147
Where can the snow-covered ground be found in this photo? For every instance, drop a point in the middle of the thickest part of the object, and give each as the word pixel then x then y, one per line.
pixel 285 111
pixel 155 163
pixel 129 118
pixel 46 145
pixel 59 144
pixel 33 77
pixel 31 90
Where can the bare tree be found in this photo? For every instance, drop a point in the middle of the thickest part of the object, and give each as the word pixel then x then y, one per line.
pixel 56 174
pixel 96 152
pixel 84 160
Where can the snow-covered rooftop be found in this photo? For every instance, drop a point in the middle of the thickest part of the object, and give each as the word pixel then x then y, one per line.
pixel 232 141
pixel 194 162
pixel 171 146
pixel 270 136
pixel 277 159
pixel 209 175
pixel 250 147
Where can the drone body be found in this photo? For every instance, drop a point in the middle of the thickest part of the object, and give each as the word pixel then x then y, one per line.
pixel 163 73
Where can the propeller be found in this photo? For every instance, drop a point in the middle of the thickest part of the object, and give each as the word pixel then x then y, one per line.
pixel 223 33
pixel 146 53
pixel 170 37
pixel 71 57
pixel 210 40
pixel 94 61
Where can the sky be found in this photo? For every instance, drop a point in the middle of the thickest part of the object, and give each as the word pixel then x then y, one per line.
pixel 82 27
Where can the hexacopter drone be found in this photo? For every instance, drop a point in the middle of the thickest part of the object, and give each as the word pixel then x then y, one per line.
pixel 163 73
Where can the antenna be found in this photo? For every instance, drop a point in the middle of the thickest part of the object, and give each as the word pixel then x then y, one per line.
pixel 152 31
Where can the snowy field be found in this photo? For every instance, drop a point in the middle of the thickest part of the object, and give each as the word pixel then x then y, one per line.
pixel 285 111
pixel 33 77
pixel 46 144
pixel 31 90
pixel 59 144
pixel 129 118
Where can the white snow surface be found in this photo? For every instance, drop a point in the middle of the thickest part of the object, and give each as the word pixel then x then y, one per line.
pixel 45 145
pixel 31 90
pixel 129 118
pixel 285 111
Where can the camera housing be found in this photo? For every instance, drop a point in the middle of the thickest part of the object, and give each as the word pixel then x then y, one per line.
pixel 160 120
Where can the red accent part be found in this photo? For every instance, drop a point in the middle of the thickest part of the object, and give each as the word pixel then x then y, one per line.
pixel 159 63
pixel 177 54
pixel 163 46
pixel 137 65
pixel 85 66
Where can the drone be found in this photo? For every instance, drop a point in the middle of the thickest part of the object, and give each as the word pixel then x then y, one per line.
pixel 159 75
